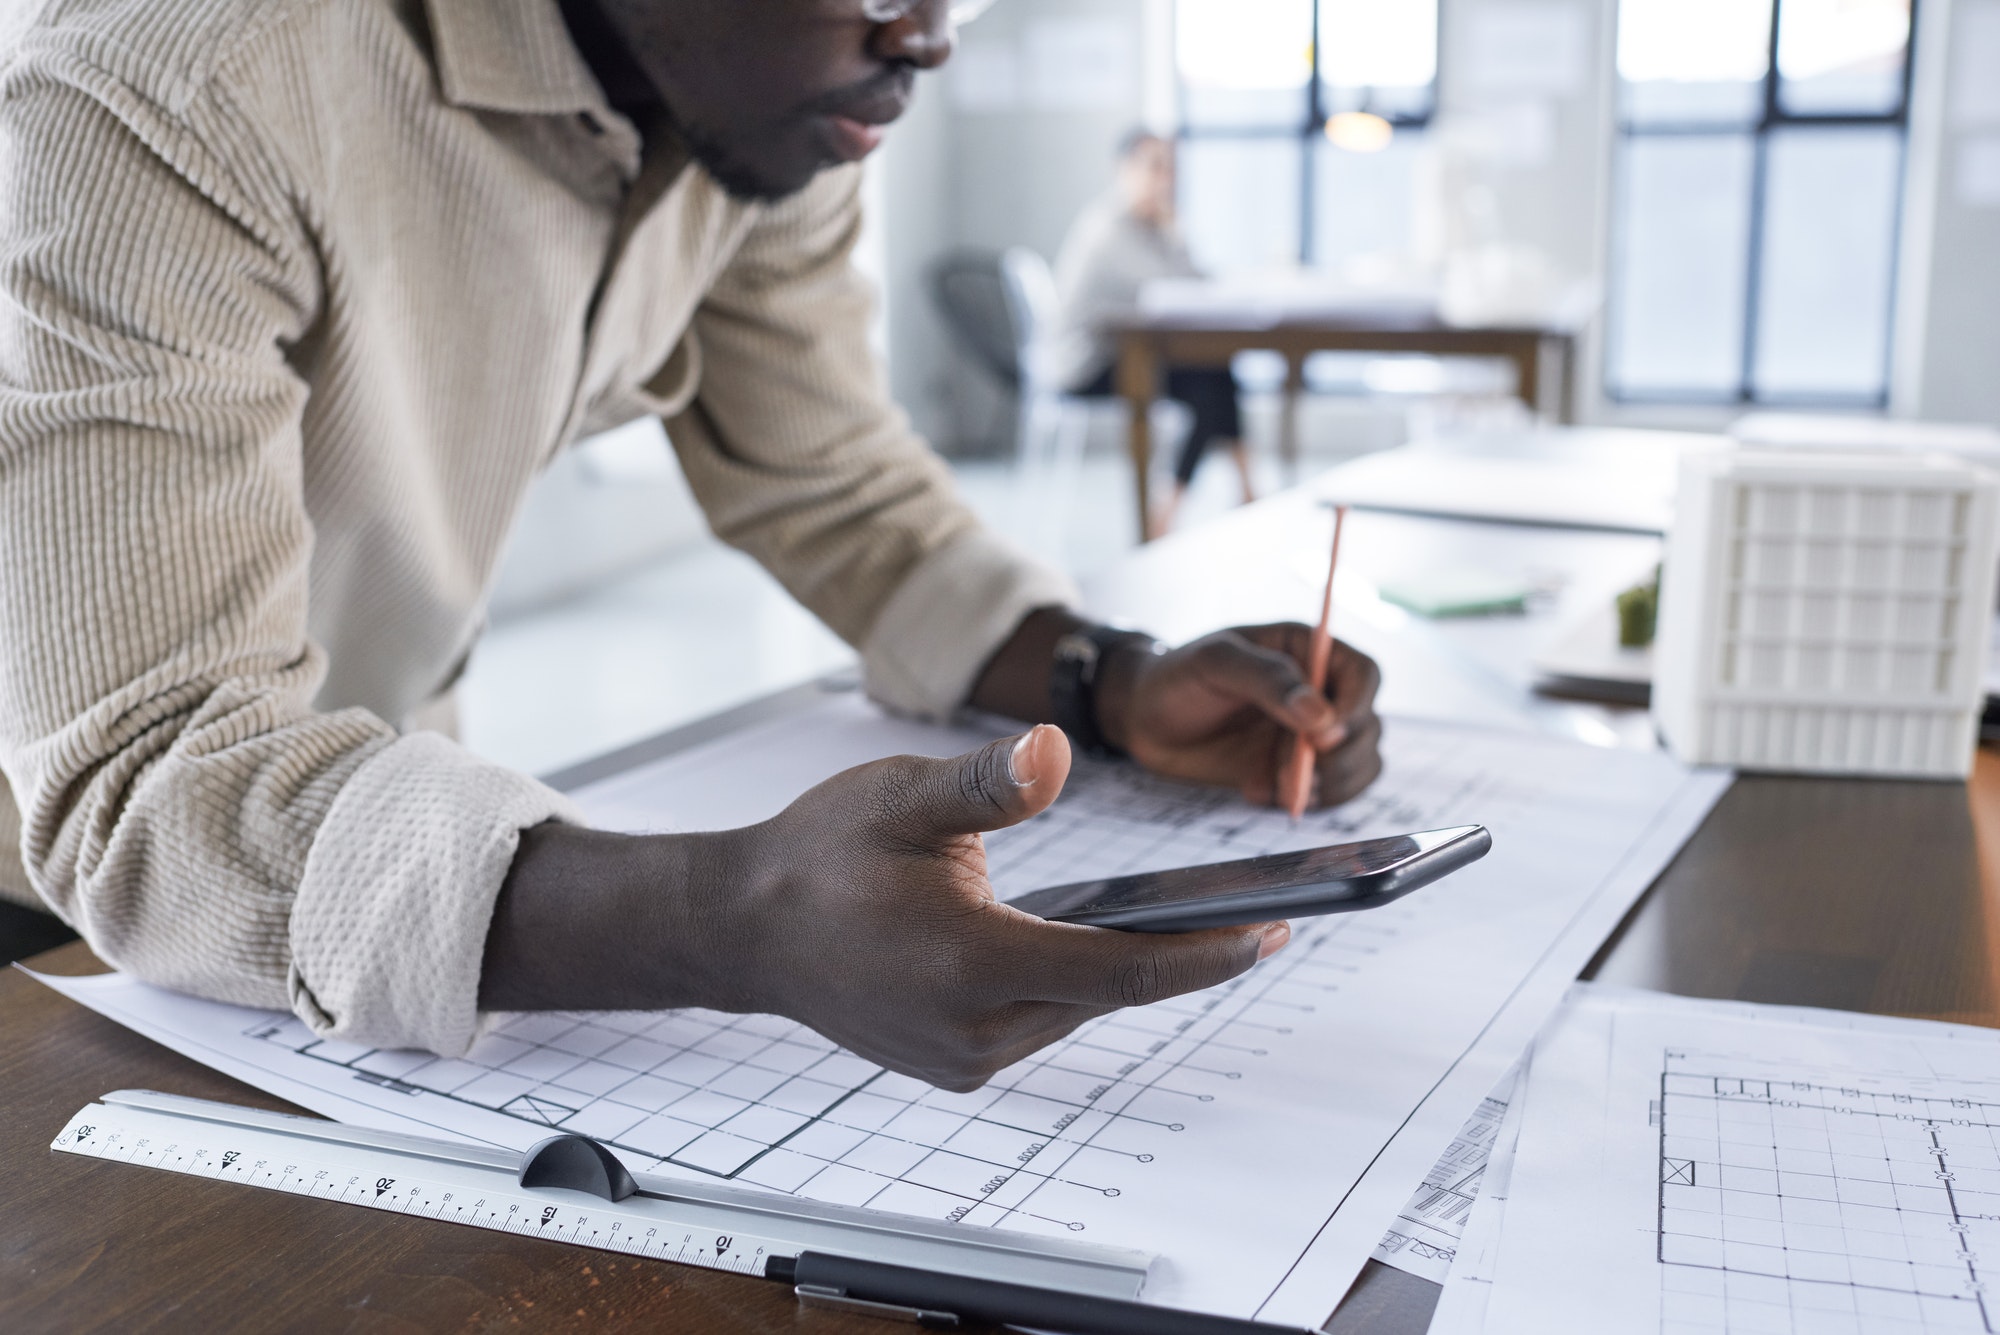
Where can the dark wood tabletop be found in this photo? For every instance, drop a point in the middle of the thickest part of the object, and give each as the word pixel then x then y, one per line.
pixel 1868 896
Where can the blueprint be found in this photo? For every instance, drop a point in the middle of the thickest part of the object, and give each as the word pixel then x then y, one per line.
pixel 1461 1308
pixel 1425 1238
pixel 1688 1167
pixel 1259 1137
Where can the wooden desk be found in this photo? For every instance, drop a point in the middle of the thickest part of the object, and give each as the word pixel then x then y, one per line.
pixel 1869 896
pixel 1544 363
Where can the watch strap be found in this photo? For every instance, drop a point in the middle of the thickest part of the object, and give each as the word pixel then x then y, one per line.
pixel 1074 679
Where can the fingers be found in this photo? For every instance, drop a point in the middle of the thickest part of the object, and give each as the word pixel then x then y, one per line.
pixel 1094 967
pixel 1343 772
pixel 1016 1030
pixel 999 785
pixel 1271 681
pixel 1299 778
pixel 1353 678
pixel 1348 771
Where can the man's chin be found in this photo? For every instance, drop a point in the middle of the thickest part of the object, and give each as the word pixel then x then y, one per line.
pixel 756 177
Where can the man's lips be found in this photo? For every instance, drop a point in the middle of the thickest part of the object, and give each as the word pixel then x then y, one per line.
pixel 856 126
pixel 853 139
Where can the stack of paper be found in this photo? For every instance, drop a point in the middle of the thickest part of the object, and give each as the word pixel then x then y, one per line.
pixel 1260 1138
pixel 1687 1167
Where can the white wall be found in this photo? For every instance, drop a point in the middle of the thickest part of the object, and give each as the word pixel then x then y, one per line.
pixel 914 221
pixel 1003 148
pixel 1533 81
pixel 1950 331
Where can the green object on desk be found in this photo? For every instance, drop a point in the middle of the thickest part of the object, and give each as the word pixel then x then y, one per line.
pixel 1639 614
pixel 1458 593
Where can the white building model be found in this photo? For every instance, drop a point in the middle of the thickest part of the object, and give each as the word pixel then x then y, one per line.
pixel 1828 614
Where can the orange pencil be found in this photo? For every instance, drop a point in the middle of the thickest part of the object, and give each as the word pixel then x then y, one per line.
pixel 1299 780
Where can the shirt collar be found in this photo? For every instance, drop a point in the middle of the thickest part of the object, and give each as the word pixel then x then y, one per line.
pixel 511 56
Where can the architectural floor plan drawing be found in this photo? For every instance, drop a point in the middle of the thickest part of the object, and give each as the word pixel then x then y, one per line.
pixel 1468 1284
pixel 1824 1203
pixel 1794 1172
pixel 1259 1137
pixel 763 1101
pixel 1425 1237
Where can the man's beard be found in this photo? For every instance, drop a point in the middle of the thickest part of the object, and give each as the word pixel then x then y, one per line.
pixel 744 179
pixel 740 179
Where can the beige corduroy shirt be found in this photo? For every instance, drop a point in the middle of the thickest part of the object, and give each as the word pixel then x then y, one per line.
pixel 296 299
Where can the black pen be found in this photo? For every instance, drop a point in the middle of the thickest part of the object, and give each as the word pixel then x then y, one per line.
pixel 940 1302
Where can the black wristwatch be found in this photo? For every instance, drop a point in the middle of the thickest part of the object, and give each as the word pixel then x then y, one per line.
pixel 1073 683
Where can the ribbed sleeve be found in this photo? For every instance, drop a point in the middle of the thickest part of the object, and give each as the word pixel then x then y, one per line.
pixel 155 673
pixel 179 791
pixel 297 298
pixel 398 893
pixel 948 618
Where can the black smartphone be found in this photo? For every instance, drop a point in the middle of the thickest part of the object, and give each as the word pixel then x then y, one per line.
pixel 1344 878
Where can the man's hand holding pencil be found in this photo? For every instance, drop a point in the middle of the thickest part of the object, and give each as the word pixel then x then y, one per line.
pixel 1284 714
pixel 1230 710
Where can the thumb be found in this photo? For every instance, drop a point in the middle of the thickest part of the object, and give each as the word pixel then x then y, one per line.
pixel 999 785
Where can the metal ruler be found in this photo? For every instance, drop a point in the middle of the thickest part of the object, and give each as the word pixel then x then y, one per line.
pixel 668 1219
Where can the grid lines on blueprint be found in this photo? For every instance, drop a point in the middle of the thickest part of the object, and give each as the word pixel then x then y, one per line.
pixel 765 1101
pixel 761 1100
pixel 1807 1206
pixel 1432 1224
pixel 1116 821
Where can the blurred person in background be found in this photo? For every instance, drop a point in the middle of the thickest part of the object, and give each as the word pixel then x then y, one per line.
pixel 1127 239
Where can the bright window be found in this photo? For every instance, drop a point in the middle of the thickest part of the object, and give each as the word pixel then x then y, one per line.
pixel 1758 196
pixel 1262 182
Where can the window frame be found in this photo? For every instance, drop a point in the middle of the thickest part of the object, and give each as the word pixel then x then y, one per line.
pixel 1772 117
pixel 1311 131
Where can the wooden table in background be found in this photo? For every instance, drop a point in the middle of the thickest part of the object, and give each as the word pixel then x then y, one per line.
pixel 1862 895
pixel 1543 360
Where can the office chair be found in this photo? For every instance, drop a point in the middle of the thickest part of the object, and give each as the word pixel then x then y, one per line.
pixel 1054 424
pixel 970 293
pixel 1004 312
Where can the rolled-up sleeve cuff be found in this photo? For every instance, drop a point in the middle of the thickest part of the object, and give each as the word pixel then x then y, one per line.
pixel 948 619
pixel 389 927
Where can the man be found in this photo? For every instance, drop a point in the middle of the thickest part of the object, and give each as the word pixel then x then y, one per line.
pixel 1118 246
pixel 296 297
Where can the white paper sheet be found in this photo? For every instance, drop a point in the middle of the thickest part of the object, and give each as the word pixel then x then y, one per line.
pixel 1689 1167
pixel 1425 1238
pixel 1633 493
pixel 1259 1137
pixel 1461 1308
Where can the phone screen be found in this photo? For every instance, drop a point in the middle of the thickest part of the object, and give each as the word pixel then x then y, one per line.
pixel 1360 864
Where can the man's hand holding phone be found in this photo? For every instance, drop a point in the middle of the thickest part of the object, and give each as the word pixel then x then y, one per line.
pixel 863 910
pixel 867 914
